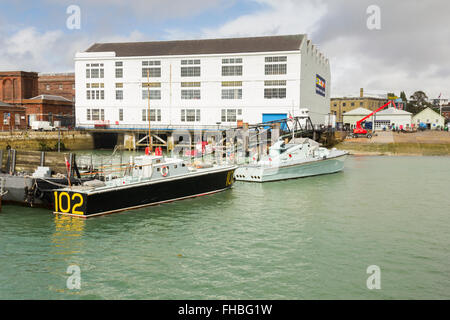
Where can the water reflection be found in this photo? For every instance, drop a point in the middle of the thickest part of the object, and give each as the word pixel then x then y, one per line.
pixel 67 239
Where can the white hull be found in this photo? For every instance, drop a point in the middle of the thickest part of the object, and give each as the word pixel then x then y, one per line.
pixel 313 167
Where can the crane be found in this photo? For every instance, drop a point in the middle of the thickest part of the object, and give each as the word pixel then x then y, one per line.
pixel 360 131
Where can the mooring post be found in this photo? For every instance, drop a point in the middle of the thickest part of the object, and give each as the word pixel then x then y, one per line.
pixel 71 158
pixel 13 161
pixel 8 161
pixel 42 161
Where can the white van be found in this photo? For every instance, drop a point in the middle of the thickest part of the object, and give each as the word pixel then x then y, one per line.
pixel 42 126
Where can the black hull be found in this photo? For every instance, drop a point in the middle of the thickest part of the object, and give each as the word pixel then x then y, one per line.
pixel 113 200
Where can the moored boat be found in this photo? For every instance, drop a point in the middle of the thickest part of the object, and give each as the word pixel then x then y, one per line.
pixel 148 180
pixel 301 157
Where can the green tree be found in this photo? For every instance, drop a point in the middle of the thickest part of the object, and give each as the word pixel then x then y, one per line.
pixel 403 96
pixel 420 99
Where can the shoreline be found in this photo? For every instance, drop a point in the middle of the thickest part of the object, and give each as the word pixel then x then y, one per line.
pixel 395 149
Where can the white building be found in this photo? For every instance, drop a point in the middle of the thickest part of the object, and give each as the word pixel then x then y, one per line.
pixel 200 83
pixel 384 119
pixel 430 118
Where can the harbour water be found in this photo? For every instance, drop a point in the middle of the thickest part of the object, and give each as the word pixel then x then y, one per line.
pixel 310 238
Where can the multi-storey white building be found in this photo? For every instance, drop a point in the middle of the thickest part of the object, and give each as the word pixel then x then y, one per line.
pixel 200 83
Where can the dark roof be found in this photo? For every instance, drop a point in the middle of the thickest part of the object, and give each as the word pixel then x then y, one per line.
pixel 205 46
pixel 446 108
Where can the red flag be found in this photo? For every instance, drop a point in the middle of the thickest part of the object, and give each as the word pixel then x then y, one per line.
pixel 67 163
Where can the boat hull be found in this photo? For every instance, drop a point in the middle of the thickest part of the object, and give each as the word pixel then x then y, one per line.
pixel 90 204
pixel 299 170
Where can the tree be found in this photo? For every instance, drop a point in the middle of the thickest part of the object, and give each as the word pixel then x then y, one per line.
pixel 403 96
pixel 420 99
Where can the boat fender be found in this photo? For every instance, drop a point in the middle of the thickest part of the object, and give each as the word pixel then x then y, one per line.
pixel 38 193
pixel 164 171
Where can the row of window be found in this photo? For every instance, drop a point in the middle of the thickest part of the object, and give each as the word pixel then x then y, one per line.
pixel 189 94
pixel 190 68
pixel 60 86
pixel 187 115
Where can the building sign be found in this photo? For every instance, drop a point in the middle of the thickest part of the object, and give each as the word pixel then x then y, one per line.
pixel 320 85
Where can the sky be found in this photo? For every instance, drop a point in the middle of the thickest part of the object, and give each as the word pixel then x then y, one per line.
pixel 408 50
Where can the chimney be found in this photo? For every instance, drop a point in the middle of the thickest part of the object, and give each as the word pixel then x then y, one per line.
pixel 361 92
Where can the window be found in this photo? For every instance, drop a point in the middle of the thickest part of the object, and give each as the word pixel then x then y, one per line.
pixel 276 59
pixel 231 94
pixel 190 84
pixel 190 71
pixel 191 61
pixel 95 114
pixel 95 70
pixel 190 94
pixel 275 82
pixel 151 69
pixel 155 114
pixel 233 67
pixel 88 114
pixel 271 69
pixel 47 87
pixel 231 83
pixel 119 91
pixel 274 93
pixel 17 119
pixel 231 70
pixel 151 63
pixel 120 114
pixel 60 87
pixel 95 94
pixel 154 94
pixel 119 73
pixel 353 104
pixel 190 115
pixel 232 60
pixel 151 72
pixel 278 92
pixel 229 115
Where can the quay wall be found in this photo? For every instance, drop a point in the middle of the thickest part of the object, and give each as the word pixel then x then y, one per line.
pixel 46 140
pixel 427 143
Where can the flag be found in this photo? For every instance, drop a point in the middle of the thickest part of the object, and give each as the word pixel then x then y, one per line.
pixel 67 163
pixel 290 116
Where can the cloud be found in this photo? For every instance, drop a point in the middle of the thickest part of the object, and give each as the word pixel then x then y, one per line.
pixel 145 9
pixel 410 52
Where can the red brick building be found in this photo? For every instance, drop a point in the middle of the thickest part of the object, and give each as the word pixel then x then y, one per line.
pixel 49 108
pixel 12 117
pixel 57 84
pixel 16 86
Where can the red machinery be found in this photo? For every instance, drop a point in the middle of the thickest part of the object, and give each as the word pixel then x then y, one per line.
pixel 360 131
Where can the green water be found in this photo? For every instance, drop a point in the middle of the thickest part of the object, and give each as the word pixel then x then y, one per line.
pixel 309 238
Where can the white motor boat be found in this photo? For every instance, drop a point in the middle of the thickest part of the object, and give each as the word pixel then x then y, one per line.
pixel 301 157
